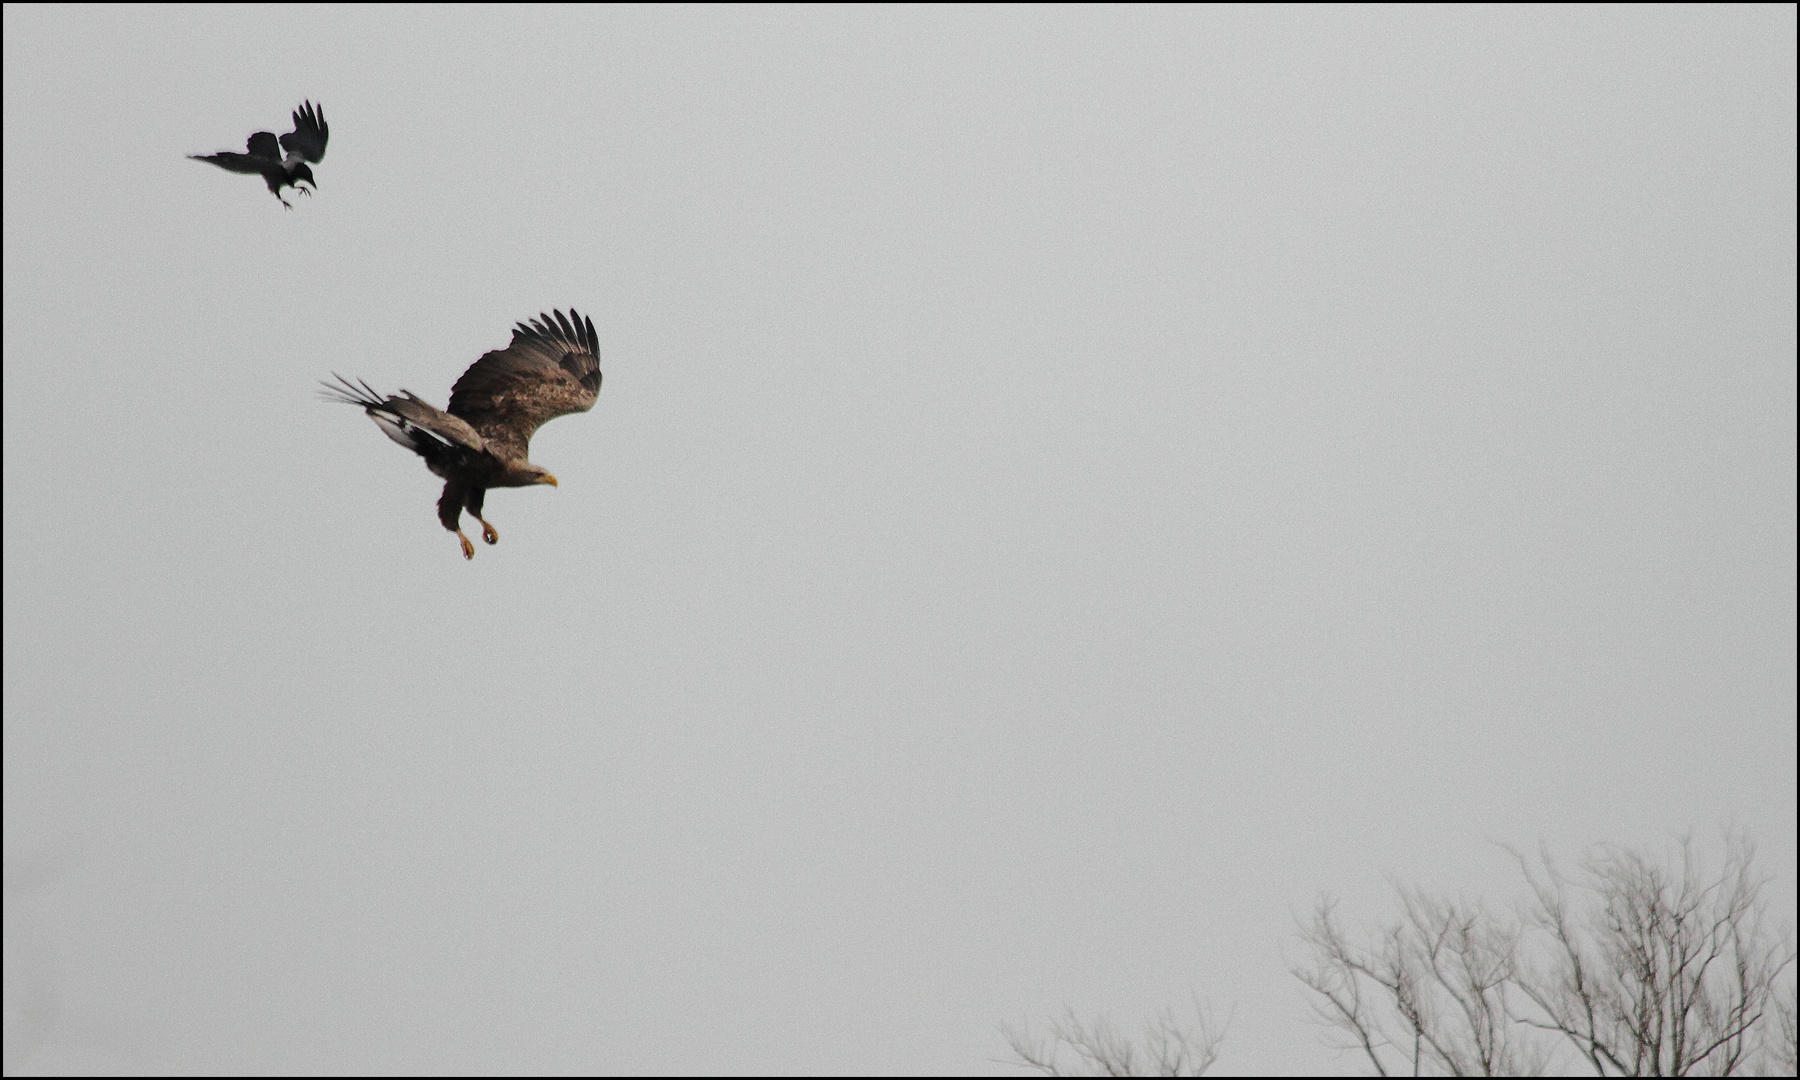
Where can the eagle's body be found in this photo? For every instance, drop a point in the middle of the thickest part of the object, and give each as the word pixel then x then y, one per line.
pixel 305 146
pixel 551 369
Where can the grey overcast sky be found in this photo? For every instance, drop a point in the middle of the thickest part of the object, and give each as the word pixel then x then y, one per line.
pixel 1070 485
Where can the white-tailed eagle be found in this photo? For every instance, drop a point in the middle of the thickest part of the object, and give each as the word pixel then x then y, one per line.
pixel 551 369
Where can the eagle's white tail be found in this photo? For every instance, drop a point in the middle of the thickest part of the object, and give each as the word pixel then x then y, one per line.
pixel 406 433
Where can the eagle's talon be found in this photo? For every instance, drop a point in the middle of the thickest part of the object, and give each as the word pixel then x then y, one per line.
pixel 468 548
pixel 489 534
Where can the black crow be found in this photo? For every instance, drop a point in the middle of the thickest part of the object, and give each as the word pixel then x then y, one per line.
pixel 304 144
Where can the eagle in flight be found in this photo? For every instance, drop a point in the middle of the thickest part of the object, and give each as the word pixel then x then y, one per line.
pixel 305 146
pixel 551 369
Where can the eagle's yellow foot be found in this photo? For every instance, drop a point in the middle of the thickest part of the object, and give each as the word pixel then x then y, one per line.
pixel 488 532
pixel 468 548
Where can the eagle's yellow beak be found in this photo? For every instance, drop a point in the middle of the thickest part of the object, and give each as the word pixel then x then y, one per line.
pixel 547 479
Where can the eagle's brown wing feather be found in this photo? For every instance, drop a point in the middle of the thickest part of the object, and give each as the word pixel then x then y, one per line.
pixel 551 369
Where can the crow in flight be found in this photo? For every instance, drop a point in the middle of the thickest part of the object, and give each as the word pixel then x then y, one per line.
pixel 304 144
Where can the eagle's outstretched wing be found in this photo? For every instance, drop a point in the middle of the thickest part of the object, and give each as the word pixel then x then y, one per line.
pixel 551 369
pixel 307 140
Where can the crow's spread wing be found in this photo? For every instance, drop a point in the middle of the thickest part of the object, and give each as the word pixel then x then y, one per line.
pixel 244 163
pixel 307 140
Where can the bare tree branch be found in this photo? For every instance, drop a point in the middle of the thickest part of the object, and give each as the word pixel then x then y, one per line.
pixel 1641 967
pixel 1779 1047
pixel 1077 1047
pixel 1674 971
pixel 1334 978
pixel 1431 997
